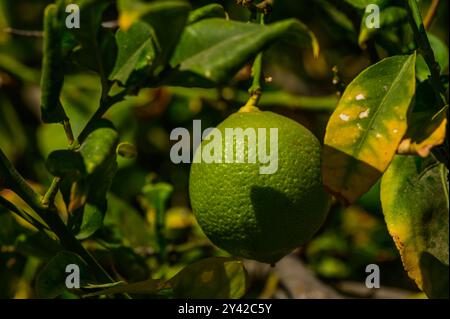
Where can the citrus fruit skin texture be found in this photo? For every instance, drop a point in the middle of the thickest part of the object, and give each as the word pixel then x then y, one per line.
pixel 262 216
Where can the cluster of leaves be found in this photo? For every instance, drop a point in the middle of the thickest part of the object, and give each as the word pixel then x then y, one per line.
pixel 386 126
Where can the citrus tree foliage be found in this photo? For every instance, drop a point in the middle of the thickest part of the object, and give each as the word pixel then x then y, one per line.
pixel 388 124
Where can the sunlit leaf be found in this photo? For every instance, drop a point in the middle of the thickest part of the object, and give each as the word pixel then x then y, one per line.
pixel 204 48
pixel 365 130
pixel 414 196
pixel 216 277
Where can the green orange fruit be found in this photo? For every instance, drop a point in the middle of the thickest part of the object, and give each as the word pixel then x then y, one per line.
pixel 261 216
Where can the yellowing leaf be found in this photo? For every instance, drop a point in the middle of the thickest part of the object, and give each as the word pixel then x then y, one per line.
pixel 420 138
pixel 365 130
pixel 414 197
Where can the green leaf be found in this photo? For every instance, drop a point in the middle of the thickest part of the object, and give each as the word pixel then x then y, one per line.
pixel 211 278
pixel 414 197
pixel 441 55
pixel 127 150
pixel 88 196
pixel 212 10
pixel 389 17
pixel 156 15
pixel 52 67
pixel 80 96
pixel 204 48
pixel 51 281
pixel 91 12
pixel 365 130
pixel 136 51
pixel 65 162
pixel 144 41
pixel 99 146
pixel 91 47
pixel 89 218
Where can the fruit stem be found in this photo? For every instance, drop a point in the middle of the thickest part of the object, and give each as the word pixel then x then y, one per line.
pixel 256 89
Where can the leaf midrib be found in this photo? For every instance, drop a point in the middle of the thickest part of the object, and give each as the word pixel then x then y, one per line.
pixel 377 111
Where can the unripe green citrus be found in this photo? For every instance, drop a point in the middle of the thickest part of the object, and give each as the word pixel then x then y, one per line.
pixel 261 216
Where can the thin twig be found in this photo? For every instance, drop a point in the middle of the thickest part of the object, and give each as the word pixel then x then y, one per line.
pixel 256 89
pixel 68 131
pixel 50 195
pixel 428 20
pixel 25 33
